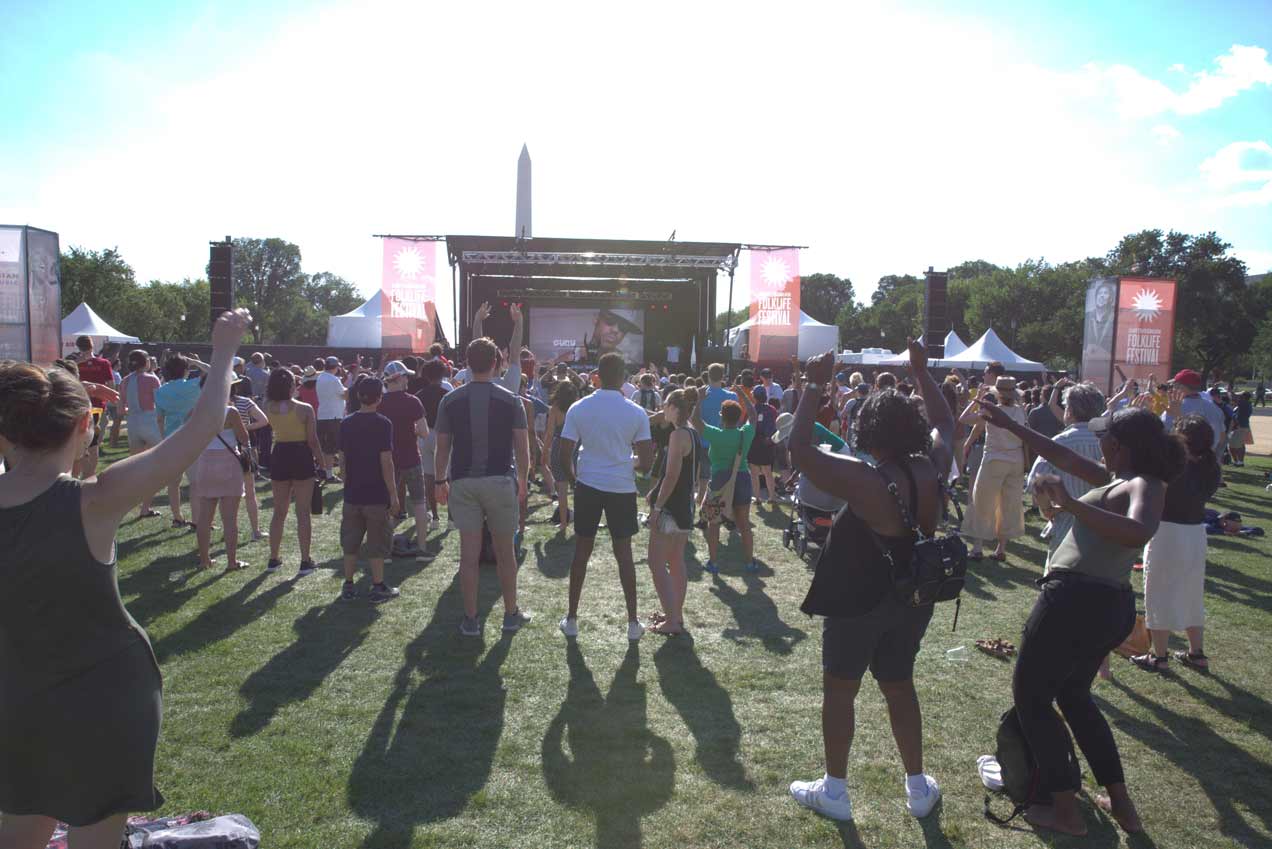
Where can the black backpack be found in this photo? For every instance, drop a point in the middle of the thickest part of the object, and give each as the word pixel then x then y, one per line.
pixel 1020 773
pixel 937 568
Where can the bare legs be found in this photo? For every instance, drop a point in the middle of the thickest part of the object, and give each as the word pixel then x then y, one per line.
pixel 506 564
pixel 839 719
pixel 759 473
pixel 563 504
pixel 207 508
pixel 667 565
pixel 253 508
pixel 626 573
pixel 1195 645
pixel 284 493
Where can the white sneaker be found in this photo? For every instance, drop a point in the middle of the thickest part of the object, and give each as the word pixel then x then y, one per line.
pixel 635 631
pixel 991 774
pixel 569 626
pixel 921 806
pixel 812 795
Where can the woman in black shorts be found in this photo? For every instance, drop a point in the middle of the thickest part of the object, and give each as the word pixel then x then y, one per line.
pixel 866 627
pixel 292 467
pixel 563 397
pixel 671 519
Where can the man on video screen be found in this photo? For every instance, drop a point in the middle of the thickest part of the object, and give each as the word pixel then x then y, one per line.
pixel 608 333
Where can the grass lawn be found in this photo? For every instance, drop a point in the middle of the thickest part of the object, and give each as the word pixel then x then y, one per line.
pixel 340 724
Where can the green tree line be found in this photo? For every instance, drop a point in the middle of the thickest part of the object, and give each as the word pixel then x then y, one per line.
pixel 1223 316
pixel 290 306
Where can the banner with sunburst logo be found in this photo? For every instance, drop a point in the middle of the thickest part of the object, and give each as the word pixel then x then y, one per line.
pixel 408 311
pixel 1145 329
pixel 774 332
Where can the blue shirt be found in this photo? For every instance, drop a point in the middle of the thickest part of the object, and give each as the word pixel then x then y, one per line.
pixel 175 400
pixel 716 396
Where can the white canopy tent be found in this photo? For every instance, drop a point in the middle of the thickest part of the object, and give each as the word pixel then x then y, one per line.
pixel 358 328
pixel 953 346
pixel 814 337
pixel 987 349
pixel 84 322
pixel 866 357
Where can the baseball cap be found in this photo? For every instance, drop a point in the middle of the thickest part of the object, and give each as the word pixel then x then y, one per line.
pixel 238 361
pixel 1188 377
pixel 332 362
pixel 397 368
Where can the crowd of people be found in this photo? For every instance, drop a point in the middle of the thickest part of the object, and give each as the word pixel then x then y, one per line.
pixel 1121 481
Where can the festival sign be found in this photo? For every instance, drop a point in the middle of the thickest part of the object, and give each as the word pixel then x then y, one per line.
pixel 44 294
pixel 1145 330
pixel 408 311
pixel 774 332
pixel 1099 320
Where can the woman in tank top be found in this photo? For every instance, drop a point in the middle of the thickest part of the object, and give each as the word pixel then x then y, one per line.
pixel 82 692
pixel 255 421
pixel 1086 607
pixel 671 519
pixel 292 468
pixel 866 628
pixel 218 484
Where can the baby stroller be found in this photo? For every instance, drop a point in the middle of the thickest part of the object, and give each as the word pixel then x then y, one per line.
pixel 808 526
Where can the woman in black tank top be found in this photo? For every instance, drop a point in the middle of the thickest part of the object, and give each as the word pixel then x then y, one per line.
pixel 671 520
pixel 866 628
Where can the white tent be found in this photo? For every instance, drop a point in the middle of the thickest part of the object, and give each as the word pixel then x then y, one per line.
pixel 954 345
pixel 866 357
pixel 987 349
pixel 84 322
pixel 362 328
pixel 814 337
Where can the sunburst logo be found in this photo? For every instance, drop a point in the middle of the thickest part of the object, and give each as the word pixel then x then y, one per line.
pixel 409 262
pixel 1146 305
pixel 775 273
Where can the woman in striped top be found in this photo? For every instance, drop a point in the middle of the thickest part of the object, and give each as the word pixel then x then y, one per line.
pixel 253 419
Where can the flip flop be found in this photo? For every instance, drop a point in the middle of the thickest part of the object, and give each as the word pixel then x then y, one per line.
pixel 238 566
pixel 149 514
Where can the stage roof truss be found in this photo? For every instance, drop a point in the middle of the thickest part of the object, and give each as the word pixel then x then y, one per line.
pixel 593 259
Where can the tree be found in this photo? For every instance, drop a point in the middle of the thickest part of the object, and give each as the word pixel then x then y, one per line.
pixel 100 279
pixel 1216 311
pixel 824 296
pixel 268 281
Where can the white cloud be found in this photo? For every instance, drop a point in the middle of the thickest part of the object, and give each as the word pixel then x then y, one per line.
pixel 1177 68
pixel 1139 96
pixel 1164 134
pixel 1237 166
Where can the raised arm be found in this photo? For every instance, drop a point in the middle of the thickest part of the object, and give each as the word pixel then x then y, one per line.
pixel 483 312
pixel 1061 457
pixel 124 484
pixel 939 414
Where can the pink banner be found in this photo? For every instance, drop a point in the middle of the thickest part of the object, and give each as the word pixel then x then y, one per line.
pixel 774 332
pixel 408 312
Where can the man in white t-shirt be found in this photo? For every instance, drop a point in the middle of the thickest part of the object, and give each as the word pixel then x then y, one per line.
pixel 331 411
pixel 607 426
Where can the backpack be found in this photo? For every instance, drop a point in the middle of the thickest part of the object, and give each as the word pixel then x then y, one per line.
pixel 937 568
pixel 1020 774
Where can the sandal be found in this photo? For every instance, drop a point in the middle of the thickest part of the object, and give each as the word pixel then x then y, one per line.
pixel 149 514
pixel 1151 662
pixel 1001 558
pixel 1195 661
pixel 996 647
pixel 237 566
pixel 182 523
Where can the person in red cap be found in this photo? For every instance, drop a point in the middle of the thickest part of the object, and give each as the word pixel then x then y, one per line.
pixel 1196 402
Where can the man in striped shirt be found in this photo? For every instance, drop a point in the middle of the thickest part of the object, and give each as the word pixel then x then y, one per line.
pixel 1082 402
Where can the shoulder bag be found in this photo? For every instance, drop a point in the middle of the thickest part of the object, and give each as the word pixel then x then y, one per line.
pixel 719 502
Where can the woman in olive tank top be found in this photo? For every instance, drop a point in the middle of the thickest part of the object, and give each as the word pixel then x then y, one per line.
pixel 671 520
pixel 82 694
pixel 1086 607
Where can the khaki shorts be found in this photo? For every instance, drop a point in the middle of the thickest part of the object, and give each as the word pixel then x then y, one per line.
pixel 414 477
pixel 492 500
pixel 428 447
pixel 370 521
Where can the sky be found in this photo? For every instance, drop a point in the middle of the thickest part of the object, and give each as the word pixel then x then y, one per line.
pixel 886 138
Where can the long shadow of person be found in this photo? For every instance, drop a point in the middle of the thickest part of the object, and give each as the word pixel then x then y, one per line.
pixel 706 708
pixel 325 636
pixel 156 593
pixel 614 766
pixel 220 620
pixel 1219 765
pixel 756 615
pixel 431 747
pixel 553 557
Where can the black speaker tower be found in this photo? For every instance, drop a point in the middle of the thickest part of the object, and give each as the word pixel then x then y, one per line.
pixel 936 317
pixel 221 277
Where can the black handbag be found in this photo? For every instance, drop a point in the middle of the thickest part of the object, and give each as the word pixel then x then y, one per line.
pixel 937 568
pixel 245 462
pixel 315 499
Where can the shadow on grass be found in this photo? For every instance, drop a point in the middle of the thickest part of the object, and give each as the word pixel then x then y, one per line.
pixel 325 636
pixel 553 558
pixel 156 593
pixel 706 709
pixel 220 620
pixel 599 754
pixel 756 615
pixel 1219 766
pixel 433 761
pixel 987 573
pixel 1236 586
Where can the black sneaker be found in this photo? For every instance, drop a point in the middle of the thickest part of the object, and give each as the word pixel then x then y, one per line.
pixel 380 593
pixel 307 567
pixel 470 627
pixel 273 565
pixel 349 592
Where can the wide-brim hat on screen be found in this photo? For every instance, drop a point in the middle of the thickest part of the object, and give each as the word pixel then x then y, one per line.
pixel 624 324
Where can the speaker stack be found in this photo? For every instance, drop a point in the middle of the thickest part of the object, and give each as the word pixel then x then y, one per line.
pixel 221 277
pixel 936 317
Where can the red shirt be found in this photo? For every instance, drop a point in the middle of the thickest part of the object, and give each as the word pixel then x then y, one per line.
pixel 403 410
pixel 96 370
pixel 309 395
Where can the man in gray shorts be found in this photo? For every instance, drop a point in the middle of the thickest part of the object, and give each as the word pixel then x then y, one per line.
pixel 482 441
